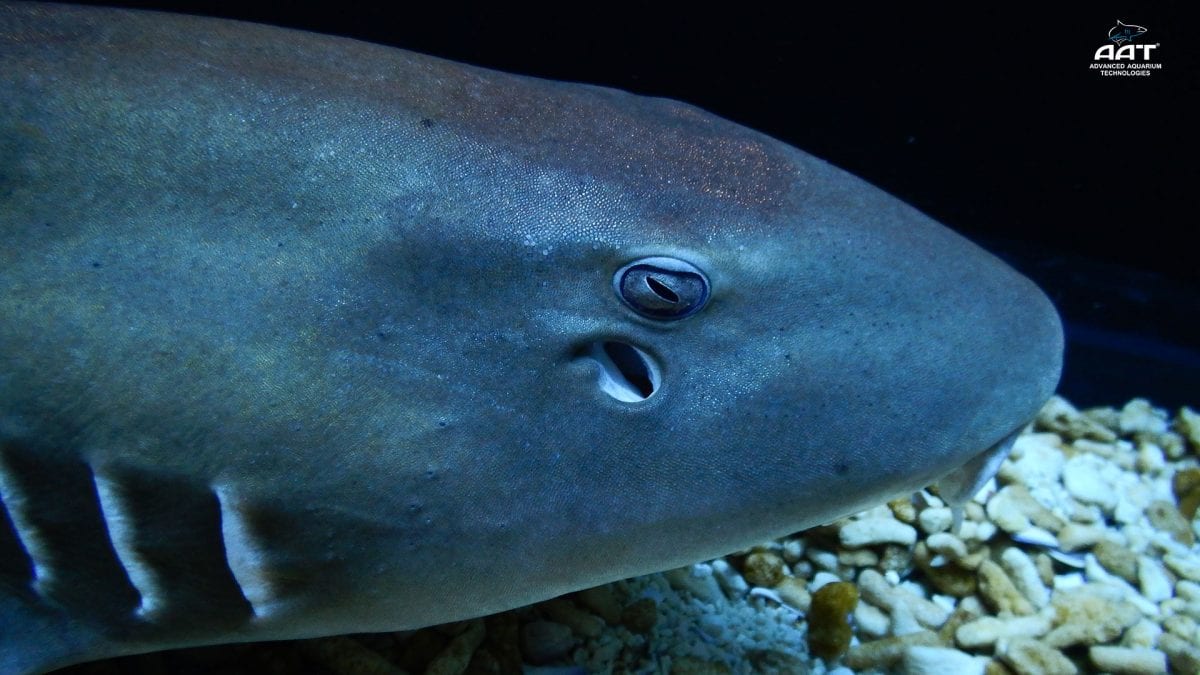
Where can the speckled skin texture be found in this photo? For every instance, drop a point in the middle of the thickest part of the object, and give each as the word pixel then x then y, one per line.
pixel 326 300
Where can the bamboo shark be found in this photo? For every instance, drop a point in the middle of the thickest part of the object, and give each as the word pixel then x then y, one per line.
pixel 301 335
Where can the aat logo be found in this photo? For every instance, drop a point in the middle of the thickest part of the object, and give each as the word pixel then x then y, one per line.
pixel 1126 53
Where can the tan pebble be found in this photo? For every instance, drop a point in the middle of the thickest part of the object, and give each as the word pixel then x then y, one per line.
pixel 1045 567
pixel 1103 449
pixel 603 601
pixel 640 616
pixel 1187 422
pixel 973 511
pixel 904 510
pixel 697 580
pixel 763 568
pixel 580 622
pixel 997 667
pixel 922 660
pixel 999 590
pixel 949 579
pixel 1187 567
pixel 877 591
pixel 1004 510
pixel 1150 458
pixel 874 531
pixel 343 655
pixel 1165 516
pixel 858 557
pixel 1181 625
pixel 692 665
pixel 946 544
pixel 989 630
pixel 457 655
pixel 1106 416
pixel 1173 445
pixel 795 593
pixel 1027 656
pixel 1139 416
pixel 545 641
pixel 1089 618
pixel 1144 633
pixel 1128 660
pixel 974 559
pixel 963 614
pixel 896 558
pixel 1188 590
pixel 1024 574
pixel 503 642
pixel 1060 416
pixel 887 651
pixel 1118 559
pixel 1183 656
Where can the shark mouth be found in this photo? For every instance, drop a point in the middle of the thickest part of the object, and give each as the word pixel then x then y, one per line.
pixel 627 373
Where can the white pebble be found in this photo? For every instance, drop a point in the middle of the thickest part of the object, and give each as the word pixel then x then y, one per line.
pixel 1075 536
pixel 904 621
pixel 947 544
pixel 1006 512
pixel 1128 660
pixel 1188 590
pixel 875 589
pixel 989 630
pixel 825 560
pixel 1022 570
pixel 873 531
pixel 1083 476
pixel 730 580
pixel 920 660
pixel 1139 415
pixel 1037 537
pixel 822 579
pixel 871 620
pixel 1185 566
pixel 935 519
pixel 1153 580
pixel 1066 582
pixel 977 530
pixel 1144 633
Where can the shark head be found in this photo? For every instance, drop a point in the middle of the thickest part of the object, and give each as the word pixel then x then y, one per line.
pixel 341 338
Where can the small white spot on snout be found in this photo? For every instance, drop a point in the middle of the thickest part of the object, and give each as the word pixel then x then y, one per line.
pixel 627 373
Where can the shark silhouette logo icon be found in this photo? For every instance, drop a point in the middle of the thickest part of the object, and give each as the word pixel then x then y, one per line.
pixel 1125 32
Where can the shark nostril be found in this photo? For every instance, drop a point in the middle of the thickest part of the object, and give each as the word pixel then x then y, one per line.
pixel 626 373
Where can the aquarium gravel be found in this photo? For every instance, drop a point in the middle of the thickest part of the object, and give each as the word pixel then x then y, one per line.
pixel 1079 557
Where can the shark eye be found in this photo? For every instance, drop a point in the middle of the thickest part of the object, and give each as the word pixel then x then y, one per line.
pixel 662 288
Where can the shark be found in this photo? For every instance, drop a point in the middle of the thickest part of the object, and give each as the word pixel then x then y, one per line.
pixel 1125 32
pixel 301 335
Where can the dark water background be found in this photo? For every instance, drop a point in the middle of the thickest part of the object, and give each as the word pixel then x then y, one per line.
pixel 987 117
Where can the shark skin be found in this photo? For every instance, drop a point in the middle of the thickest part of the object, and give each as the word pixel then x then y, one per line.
pixel 301 335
